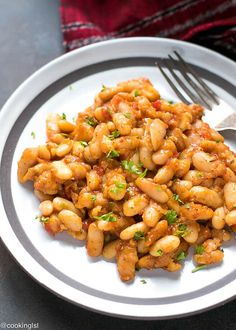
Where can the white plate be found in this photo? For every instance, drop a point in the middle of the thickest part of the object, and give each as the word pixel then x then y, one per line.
pixel 68 84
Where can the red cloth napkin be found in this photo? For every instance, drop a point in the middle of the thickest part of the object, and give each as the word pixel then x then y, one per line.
pixel 208 22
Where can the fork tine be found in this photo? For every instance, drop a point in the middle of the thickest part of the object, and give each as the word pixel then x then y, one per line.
pixel 182 85
pixel 210 92
pixel 191 82
pixel 182 98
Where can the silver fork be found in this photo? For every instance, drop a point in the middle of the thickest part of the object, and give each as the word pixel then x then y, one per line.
pixel 198 91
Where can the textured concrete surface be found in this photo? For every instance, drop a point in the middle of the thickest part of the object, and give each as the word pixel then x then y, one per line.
pixel 30 37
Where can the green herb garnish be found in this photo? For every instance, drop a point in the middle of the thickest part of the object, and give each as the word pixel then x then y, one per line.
pixel 199 175
pixel 93 198
pixel 142 175
pixel 176 198
pixel 91 121
pixel 131 167
pixel 143 281
pixel 103 88
pixel 65 135
pixel 83 143
pixel 127 115
pixel 114 135
pixel 199 268
pixel 70 87
pixel 109 111
pixel 136 93
pixel 187 206
pixel 139 235
pixel 199 249
pixel 109 217
pixel 42 219
pixel 181 256
pixel 159 253
pixel 171 216
pixel 182 230
pixel 113 154
pixel 33 135
pixel 158 188
pixel 118 187
pixel 63 116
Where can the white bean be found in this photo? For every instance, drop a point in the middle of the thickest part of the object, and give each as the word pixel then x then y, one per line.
pixel 230 195
pixel 130 231
pixel 157 133
pixel 70 220
pixel 165 244
pixel 152 189
pixel 218 219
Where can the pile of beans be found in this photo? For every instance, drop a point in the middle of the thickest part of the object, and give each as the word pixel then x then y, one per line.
pixel 140 179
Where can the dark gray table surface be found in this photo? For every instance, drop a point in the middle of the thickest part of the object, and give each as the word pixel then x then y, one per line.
pixel 30 37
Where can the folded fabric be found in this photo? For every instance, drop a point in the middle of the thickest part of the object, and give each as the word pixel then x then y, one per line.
pixel 211 23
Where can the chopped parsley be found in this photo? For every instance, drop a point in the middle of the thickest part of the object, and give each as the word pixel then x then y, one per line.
pixel 136 93
pixel 65 135
pixel 132 168
pixel 182 230
pixel 187 206
pixel 42 219
pixel 196 269
pixel 33 135
pixel 171 102
pixel 109 217
pixel 142 175
pixel 127 115
pixel 109 111
pixel 83 143
pixel 217 141
pixel 63 116
pixel 114 135
pixel 91 121
pixel 181 256
pixel 158 188
pixel 139 235
pixel 159 253
pixel 103 88
pixel 143 281
pixel 176 198
pixel 113 154
pixel 118 187
pixel 93 198
pixel 199 249
pixel 171 216
pixel 199 175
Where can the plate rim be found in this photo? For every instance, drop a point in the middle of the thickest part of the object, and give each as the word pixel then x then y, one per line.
pixel 35 76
